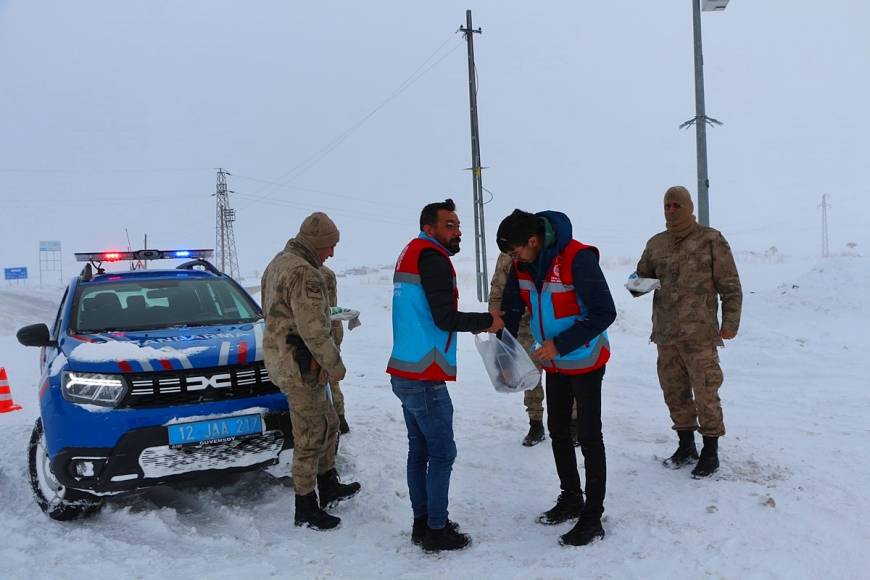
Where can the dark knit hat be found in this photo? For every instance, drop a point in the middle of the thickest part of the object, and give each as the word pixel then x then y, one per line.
pixel 516 229
pixel 319 231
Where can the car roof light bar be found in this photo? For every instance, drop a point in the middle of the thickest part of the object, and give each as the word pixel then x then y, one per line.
pixel 142 255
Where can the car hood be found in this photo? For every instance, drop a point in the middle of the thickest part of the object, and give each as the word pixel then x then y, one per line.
pixel 165 349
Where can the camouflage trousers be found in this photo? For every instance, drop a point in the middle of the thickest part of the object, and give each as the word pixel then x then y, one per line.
pixel 315 428
pixel 690 378
pixel 533 399
pixel 337 397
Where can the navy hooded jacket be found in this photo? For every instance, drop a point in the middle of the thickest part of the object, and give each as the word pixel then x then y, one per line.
pixel 589 284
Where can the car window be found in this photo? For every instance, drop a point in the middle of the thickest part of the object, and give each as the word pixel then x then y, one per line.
pixel 160 303
pixel 55 328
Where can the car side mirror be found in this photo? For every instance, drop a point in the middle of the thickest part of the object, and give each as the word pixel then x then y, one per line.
pixel 35 335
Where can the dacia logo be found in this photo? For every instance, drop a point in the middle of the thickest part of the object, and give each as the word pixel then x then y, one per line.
pixel 221 381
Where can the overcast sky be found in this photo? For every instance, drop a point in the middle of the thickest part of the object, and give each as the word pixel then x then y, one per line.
pixel 115 114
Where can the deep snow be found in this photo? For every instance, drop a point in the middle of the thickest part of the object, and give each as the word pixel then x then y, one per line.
pixel 790 500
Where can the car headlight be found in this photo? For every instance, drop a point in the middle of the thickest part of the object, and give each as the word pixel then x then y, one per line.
pixel 94 388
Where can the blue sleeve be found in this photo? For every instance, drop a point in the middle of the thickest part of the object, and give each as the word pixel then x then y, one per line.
pixel 591 287
pixel 511 303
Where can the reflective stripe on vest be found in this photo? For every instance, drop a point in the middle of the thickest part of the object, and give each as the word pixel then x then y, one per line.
pixel 421 350
pixel 557 309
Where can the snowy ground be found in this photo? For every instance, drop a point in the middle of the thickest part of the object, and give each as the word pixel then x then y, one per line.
pixel 791 500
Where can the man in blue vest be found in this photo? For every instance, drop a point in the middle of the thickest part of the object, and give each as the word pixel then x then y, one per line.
pixel 559 281
pixel 425 322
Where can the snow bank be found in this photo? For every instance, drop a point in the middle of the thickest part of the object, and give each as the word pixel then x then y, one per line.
pixel 791 500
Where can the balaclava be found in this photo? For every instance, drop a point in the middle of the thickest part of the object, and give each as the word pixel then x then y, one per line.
pixel 682 221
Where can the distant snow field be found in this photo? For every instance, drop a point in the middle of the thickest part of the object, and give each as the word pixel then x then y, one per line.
pixel 791 500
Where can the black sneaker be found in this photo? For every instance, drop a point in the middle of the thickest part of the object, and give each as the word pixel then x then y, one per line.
pixel 568 506
pixel 418 529
pixel 332 491
pixel 444 539
pixel 587 530
pixel 535 434
pixel 310 515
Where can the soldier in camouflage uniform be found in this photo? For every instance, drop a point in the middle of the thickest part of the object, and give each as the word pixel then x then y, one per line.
pixel 532 398
pixel 337 336
pixel 301 357
pixel 696 268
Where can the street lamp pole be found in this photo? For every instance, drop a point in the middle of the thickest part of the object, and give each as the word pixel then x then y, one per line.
pixel 701 119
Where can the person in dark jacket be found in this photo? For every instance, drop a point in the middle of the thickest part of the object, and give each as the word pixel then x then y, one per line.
pixel 425 322
pixel 559 280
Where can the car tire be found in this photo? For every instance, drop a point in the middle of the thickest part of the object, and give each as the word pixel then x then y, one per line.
pixel 58 502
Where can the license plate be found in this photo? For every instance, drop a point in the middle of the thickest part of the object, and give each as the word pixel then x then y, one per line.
pixel 215 430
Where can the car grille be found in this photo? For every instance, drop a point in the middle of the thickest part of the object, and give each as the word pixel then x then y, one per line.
pixel 163 461
pixel 197 385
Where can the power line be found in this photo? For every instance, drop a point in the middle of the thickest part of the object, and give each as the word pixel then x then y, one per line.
pixel 355 213
pixel 361 198
pixel 317 156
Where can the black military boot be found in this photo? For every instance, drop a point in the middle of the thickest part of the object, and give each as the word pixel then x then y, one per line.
pixel 535 434
pixel 709 462
pixel 309 514
pixel 686 451
pixel 332 491
pixel 587 529
pixel 343 427
pixel 418 529
pixel 447 538
pixel 568 506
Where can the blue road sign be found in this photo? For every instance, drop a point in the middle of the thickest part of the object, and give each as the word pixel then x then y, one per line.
pixel 15 273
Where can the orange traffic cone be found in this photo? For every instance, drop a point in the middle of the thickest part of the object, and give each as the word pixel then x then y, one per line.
pixel 6 402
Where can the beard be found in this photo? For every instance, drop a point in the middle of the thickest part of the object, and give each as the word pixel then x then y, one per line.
pixel 453 245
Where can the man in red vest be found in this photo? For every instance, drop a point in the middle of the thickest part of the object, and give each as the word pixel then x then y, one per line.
pixel 559 281
pixel 426 319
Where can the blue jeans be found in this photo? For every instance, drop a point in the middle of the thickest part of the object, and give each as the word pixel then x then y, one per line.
pixel 428 414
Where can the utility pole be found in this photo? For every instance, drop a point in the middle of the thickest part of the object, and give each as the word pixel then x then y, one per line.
pixel 476 169
pixel 825 249
pixel 701 119
pixel 225 239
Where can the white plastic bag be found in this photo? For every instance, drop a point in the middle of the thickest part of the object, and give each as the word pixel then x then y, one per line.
pixel 639 286
pixel 509 367
pixel 339 313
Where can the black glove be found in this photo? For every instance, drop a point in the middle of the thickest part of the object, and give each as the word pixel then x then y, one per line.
pixel 301 354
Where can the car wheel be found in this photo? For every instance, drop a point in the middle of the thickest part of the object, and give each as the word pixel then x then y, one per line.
pixel 58 502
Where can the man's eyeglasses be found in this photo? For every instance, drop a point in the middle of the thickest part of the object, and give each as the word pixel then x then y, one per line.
pixel 515 252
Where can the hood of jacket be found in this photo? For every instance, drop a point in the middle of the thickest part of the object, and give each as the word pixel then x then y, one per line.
pixel 558 232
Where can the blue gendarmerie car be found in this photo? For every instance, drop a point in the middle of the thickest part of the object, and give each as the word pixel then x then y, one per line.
pixel 150 376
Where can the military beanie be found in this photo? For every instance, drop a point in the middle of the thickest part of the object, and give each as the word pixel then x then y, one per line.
pixel 319 231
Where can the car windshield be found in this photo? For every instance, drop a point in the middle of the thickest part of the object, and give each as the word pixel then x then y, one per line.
pixel 160 303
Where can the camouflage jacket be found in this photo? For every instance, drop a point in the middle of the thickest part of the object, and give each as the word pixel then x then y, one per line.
pixel 332 294
pixel 496 291
pixel 295 301
pixel 694 271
